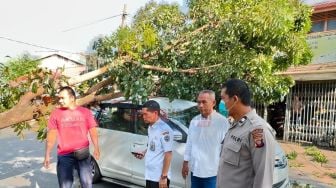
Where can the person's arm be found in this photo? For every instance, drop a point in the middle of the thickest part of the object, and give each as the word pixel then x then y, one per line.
pixel 94 139
pixel 51 140
pixel 167 144
pixel 166 164
pixel 187 153
pixel 262 146
pixel 92 124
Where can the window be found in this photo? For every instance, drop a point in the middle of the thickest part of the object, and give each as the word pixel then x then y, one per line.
pixel 317 26
pixel 141 127
pixel 185 116
pixel 114 118
pixel 331 25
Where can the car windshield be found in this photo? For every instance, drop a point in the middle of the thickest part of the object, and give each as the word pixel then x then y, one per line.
pixel 184 116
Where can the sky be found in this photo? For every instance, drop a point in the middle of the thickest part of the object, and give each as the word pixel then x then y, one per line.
pixel 44 23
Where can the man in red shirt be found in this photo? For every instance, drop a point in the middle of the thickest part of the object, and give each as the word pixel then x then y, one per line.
pixel 70 125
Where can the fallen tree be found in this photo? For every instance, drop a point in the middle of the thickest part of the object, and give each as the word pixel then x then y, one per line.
pixel 170 53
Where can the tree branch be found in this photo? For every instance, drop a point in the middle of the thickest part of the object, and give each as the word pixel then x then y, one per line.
pixel 93 98
pixel 101 84
pixel 88 76
pixel 23 111
pixel 169 70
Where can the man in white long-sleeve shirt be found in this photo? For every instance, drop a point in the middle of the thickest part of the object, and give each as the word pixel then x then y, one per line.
pixel 206 132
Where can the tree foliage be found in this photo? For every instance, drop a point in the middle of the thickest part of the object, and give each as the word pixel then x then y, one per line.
pixel 172 53
pixel 244 39
pixel 11 70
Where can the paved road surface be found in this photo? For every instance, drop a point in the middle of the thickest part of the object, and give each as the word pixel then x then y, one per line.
pixel 21 163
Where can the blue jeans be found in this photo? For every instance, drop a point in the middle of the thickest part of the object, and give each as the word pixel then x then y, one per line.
pixel 197 182
pixel 65 167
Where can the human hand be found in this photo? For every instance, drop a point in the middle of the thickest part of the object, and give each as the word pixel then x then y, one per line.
pixel 163 183
pixel 185 169
pixel 138 155
pixel 96 153
pixel 46 162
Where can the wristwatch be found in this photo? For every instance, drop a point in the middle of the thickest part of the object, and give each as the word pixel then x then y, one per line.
pixel 164 177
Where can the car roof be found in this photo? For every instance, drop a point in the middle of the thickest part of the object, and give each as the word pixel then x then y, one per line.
pixel 176 105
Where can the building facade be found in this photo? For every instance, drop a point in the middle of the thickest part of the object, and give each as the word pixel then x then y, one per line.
pixel 308 115
pixel 69 67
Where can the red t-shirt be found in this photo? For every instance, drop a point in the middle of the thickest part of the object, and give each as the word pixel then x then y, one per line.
pixel 72 128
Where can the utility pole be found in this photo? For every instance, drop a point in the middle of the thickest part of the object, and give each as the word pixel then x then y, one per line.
pixel 123 17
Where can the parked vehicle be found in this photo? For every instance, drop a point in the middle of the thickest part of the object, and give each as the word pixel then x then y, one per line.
pixel 122 131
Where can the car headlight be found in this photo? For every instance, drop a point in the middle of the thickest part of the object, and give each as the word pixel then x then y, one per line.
pixel 280 161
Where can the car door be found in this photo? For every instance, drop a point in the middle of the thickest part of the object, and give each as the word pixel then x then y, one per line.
pixel 139 144
pixel 178 154
pixel 115 131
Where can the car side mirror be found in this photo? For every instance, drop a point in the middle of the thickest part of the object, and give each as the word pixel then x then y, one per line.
pixel 177 135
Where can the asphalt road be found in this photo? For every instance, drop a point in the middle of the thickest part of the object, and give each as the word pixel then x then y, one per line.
pixel 21 163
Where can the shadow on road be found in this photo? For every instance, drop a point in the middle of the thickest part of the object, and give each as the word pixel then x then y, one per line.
pixel 21 163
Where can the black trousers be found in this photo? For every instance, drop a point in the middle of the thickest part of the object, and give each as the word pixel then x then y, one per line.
pixel 154 184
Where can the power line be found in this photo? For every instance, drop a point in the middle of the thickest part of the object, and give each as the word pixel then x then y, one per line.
pixel 57 50
pixel 91 23
pixel 38 46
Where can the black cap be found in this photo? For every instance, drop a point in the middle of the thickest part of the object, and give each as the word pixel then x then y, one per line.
pixel 151 105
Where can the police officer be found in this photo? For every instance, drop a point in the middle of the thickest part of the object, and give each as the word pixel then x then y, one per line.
pixel 247 156
pixel 159 151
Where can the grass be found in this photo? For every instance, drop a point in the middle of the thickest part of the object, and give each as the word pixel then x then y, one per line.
pixel 332 175
pixel 295 184
pixel 292 155
pixel 292 164
pixel 317 155
pixel 311 150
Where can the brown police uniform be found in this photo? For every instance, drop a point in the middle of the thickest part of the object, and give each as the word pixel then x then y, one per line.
pixel 247 156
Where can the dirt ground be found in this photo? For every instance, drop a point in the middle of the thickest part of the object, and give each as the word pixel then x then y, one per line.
pixel 304 169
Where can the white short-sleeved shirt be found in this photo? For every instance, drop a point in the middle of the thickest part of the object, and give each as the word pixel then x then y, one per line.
pixel 160 140
pixel 203 146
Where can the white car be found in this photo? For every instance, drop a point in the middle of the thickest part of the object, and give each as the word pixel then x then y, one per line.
pixel 122 131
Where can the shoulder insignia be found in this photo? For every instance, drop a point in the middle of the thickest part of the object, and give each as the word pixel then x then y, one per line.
pixel 166 138
pixel 258 137
pixel 164 133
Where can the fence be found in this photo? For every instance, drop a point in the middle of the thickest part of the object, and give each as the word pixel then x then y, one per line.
pixel 311 113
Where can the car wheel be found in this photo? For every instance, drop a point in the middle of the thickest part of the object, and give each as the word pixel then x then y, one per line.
pixel 95 171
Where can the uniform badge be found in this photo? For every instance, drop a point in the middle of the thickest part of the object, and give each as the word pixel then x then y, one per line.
pixel 166 136
pixel 152 146
pixel 258 137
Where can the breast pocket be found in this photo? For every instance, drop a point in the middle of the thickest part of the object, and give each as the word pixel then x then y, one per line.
pixel 231 153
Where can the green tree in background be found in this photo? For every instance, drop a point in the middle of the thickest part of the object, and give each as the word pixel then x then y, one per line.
pixel 214 41
pixel 11 70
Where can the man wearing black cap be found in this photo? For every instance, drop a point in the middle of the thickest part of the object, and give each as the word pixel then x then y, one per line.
pixel 159 151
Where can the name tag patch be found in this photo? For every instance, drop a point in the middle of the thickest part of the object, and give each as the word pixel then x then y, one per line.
pixel 235 138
